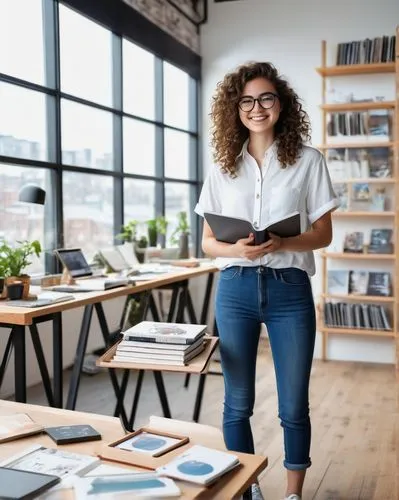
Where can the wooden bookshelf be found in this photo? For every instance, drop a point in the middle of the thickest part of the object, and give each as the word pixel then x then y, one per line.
pixel 358 256
pixel 357 298
pixel 387 219
pixel 356 69
pixel 357 331
pixel 353 213
pixel 357 145
pixel 357 106
pixel 372 180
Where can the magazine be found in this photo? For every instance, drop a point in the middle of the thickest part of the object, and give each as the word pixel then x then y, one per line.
pixel 173 333
pixel 358 282
pixel 50 461
pixel 338 282
pixel 200 465
pixel 353 242
pixel 125 486
pixel 380 241
pixel 149 443
pixel 164 359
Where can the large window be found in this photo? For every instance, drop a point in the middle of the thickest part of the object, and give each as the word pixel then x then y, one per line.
pixel 105 126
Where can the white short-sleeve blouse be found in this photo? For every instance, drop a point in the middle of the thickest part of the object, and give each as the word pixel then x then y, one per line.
pixel 270 193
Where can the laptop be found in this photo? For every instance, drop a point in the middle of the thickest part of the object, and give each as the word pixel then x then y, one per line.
pixel 119 264
pixel 116 260
pixel 85 279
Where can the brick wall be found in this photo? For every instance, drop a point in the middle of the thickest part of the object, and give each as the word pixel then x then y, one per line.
pixel 168 18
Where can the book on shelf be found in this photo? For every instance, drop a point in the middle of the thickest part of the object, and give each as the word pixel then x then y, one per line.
pixel 379 123
pixel 359 126
pixel 348 315
pixel 200 465
pixel 369 50
pixel 159 348
pixel 18 425
pixel 173 333
pixel 380 241
pixel 361 192
pixel 163 359
pixel 379 284
pixel 337 282
pixel 380 161
pixel 359 282
pixel 232 229
pixel 354 242
pixel 359 163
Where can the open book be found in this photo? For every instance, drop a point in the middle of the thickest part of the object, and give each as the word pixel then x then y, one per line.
pixel 200 465
pixel 231 229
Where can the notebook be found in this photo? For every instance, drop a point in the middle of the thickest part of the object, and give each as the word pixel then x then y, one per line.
pixel 232 229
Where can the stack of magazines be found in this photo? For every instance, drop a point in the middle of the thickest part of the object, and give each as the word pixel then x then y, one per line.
pixel 151 342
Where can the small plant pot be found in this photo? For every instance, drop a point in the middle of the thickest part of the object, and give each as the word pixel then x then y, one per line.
pixel 15 290
pixel 25 280
pixel 183 246
pixel 152 237
pixel 140 254
pixel 2 288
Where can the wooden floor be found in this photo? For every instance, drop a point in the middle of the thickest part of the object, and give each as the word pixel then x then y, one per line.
pixel 354 420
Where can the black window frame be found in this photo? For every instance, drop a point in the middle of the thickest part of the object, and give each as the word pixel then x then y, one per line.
pixel 124 22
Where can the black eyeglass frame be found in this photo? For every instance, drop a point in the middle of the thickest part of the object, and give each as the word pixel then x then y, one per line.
pixel 275 96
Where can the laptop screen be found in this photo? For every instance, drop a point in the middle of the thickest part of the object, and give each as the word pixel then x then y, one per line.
pixel 75 262
pixel 114 258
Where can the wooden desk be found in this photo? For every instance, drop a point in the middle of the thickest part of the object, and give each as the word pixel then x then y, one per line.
pixel 232 485
pixel 17 318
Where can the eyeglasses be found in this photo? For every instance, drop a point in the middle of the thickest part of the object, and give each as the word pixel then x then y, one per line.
pixel 266 101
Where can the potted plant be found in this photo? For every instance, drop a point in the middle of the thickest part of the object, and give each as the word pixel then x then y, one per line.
pixel 3 269
pixel 180 235
pixel 128 231
pixel 16 259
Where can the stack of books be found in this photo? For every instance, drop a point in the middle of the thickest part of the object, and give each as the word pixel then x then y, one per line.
pixel 161 343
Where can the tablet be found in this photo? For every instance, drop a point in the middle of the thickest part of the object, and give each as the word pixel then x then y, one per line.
pixel 24 485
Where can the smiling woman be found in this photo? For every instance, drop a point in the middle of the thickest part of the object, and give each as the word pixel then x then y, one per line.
pixel 264 166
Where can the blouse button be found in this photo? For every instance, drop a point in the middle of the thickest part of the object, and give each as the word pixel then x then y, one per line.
pixel 257 196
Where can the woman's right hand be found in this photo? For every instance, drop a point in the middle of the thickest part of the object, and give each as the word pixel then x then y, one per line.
pixel 245 248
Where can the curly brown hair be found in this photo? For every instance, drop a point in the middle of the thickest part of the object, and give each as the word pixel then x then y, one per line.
pixel 228 133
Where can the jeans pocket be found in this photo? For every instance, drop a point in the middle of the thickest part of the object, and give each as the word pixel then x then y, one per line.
pixel 293 276
pixel 230 273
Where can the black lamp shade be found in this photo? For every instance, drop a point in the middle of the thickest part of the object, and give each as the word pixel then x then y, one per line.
pixel 32 194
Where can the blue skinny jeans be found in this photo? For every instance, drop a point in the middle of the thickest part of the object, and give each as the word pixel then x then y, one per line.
pixel 283 300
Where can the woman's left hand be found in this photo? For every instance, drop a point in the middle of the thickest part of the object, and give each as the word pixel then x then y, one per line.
pixel 273 245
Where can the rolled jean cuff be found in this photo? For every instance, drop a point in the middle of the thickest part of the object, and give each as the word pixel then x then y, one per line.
pixel 289 466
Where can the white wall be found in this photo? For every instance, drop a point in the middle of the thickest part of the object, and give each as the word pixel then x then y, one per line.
pixel 289 34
